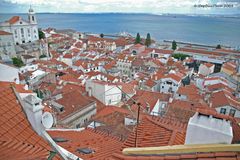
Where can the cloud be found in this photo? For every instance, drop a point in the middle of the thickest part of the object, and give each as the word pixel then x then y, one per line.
pixel 145 6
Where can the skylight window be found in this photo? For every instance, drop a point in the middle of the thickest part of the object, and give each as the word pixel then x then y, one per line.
pixel 85 150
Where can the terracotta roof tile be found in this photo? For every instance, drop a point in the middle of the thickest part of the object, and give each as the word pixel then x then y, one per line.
pixel 224 98
pixel 155 131
pixel 14 19
pixel 5 33
pixel 101 143
pixel 148 98
pixel 199 51
pixel 19 87
pixel 73 101
pixel 15 130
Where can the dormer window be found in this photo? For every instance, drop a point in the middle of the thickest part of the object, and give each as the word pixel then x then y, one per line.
pixel 20 22
pixel 232 112
pixel 36 104
pixel 223 111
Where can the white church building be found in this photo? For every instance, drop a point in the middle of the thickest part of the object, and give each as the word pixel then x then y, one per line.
pixel 23 31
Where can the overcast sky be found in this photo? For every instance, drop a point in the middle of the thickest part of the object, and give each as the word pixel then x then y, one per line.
pixel 122 6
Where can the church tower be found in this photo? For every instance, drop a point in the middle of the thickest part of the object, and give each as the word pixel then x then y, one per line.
pixel 32 16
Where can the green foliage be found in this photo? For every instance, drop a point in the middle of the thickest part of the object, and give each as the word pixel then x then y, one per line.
pixel 41 34
pixel 39 93
pixel 101 35
pixel 148 40
pixel 17 62
pixel 218 46
pixel 42 56
pixel 180 56
pixel 138 39
pixel 174 45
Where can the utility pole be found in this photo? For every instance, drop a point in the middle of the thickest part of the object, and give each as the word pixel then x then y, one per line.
pixel 238 75
pixel 136 132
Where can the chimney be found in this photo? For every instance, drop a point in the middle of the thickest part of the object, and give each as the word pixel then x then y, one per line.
pixel 33 108
pixel 206 129
pixel 90 91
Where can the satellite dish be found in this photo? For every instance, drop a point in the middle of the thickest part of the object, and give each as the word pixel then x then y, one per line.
pixel 47 120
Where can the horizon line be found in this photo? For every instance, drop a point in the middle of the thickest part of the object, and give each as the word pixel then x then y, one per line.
pixel 225 14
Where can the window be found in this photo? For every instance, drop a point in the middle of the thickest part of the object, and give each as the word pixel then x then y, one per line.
pixel 232 112
pixel 32 18
pixel 22 31
pixel 223 111
pixel 15 32
pixel 28 30
pixel 162 86
pixel 169 83
pixel 78 126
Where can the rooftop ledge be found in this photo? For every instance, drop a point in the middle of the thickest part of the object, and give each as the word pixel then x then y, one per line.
pixel 180 149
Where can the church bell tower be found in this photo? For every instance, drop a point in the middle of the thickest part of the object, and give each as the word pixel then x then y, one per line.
pixel 32 16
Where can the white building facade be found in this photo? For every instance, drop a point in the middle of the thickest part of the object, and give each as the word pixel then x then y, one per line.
pixel 108 94
pixel 9 73
pixel 7 48
pixel 169 85
pixel 23 31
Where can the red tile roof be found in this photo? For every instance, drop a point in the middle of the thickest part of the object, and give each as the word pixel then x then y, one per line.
pixel 73 101
pixel 150 83
pixel 227 51
pixel 183 110
pixel 154 131
pixel 19 87
pixel 5 33
pixel 101 143
pixel 219 86
pixel 112 119
pixel 69 78
pixel 231 66
pixel 148 98
pixel 200 51
pixel 209 65
pixel 174 77
pixel 75 50
pixel 191 91
pixel 224 98
pixel 18 139
pixel 69 56
pixel 128 88
pixel 14 19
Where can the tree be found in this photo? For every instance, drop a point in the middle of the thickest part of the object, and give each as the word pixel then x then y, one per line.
pixel 148 40
pixel 174 45
pixel 17 62
pixel 218 46
pixel 101 35
pixel 41 34
pixel 180 56
pixel 138 39
pixel 42 56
